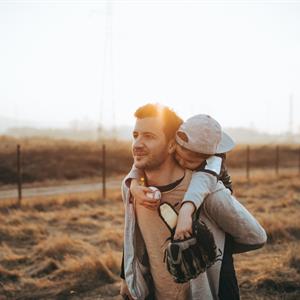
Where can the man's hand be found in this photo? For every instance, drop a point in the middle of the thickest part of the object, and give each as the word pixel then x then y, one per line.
pixel 139 193
pixel 184 222
pixel 124 292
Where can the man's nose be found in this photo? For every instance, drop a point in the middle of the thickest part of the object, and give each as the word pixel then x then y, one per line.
pixel 137 143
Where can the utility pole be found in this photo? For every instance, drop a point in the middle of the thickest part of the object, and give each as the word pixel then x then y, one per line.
pixel 291 125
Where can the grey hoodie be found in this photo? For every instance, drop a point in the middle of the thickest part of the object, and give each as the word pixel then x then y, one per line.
pixel 221 212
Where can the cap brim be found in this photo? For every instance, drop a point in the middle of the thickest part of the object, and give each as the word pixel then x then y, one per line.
pixel 226 143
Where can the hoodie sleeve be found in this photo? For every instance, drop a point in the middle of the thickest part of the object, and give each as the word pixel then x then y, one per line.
pixel 124 191
pixel 201 185
pixel 204 181
pixel 232 217
pixel 134 173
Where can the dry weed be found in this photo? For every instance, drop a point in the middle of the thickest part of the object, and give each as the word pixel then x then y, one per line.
pixel 70 247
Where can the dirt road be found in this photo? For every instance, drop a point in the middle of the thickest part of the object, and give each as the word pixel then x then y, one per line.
pixel 59 189
pixel 115 182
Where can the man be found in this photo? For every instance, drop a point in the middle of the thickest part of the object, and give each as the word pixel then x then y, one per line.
pixel 146 235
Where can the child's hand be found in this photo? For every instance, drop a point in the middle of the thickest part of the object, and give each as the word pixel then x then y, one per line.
pixel 139 194
pixel 184 222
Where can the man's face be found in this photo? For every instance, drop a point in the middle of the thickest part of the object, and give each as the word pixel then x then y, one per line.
pixel 149 146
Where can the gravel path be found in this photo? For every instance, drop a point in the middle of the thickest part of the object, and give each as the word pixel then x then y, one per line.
pixel 58 190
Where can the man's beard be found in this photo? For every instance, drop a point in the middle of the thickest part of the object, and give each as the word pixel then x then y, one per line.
pixel 152 162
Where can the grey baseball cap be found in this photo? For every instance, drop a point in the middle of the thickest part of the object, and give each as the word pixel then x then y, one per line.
pixel 203 134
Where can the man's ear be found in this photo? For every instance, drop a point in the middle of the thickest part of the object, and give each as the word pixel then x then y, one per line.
pixel 172 146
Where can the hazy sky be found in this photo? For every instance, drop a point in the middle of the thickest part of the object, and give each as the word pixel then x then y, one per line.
pixel 236 60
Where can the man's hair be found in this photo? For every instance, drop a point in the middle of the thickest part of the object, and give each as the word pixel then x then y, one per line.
pixel 171 121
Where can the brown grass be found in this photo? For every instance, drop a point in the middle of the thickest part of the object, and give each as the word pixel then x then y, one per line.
pixel 60 247
pixel 69 247
pixel 271 273
pixel 45 159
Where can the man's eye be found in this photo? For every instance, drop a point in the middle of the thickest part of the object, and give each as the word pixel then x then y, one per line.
pixel 134 135
pixel 149 136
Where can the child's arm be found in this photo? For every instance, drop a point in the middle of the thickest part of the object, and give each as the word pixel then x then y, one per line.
pixel 139 193
pixel 203 183
pixel 184 221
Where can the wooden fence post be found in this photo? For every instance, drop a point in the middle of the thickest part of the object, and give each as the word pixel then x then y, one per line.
pixel 19 172
pixel 103 171
pixel 248 162
pixel 277 160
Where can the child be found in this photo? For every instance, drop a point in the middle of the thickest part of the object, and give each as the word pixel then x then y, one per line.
pixel 201 147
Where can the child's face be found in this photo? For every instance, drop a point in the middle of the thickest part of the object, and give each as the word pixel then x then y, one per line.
pixel 188 159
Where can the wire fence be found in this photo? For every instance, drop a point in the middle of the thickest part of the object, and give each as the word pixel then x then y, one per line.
pixel 247 159
pixel 272 158
pixel 17 177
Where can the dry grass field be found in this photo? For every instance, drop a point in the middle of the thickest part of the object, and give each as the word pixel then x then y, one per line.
pixel 63 248
pixel 70 247
pixel 274 271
